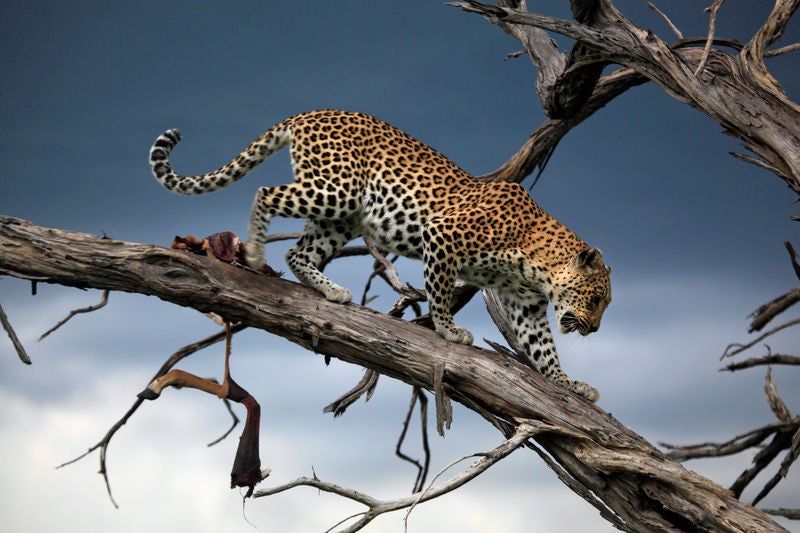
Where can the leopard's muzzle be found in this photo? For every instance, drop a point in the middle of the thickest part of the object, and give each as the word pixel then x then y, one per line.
pixel 569 323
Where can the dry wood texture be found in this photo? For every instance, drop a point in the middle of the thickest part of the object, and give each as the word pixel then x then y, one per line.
pixel 636 487
pixel 735 89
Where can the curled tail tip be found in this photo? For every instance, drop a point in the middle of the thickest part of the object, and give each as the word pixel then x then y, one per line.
pixel 159 152
pixel 174 132
pixel 168 139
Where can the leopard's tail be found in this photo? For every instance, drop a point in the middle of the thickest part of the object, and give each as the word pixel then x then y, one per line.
pixel 267 144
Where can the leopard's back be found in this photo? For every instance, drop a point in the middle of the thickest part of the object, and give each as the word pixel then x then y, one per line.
pixel 357 175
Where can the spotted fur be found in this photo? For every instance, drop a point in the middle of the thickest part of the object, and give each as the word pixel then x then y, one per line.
pixel 356 175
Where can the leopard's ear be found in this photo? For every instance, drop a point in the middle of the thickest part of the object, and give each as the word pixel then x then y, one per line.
pixel 591 258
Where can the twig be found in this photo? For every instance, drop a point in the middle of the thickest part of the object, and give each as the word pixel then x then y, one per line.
pixel 756 161
pixel 790 458
pixel 391 274
pixel 376 507
pixel 422 469
pixel 792 257
pixel 366 386
pixel 736 348
pixel 514 55
pixel 23 355
pixel 444 409
pixel 713 9
pixel 792 514
pixel 780 441
pixel 764 314
pixel 89 309
pixel 782 50
pixel 774 399
pixel 275 237
pixel 735 445
pixel 770 359
pixel 405 301
pixel 234 423
pixel 176 357
pixel 666 19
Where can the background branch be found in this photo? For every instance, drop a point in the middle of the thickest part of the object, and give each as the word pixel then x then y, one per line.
pixel 769 125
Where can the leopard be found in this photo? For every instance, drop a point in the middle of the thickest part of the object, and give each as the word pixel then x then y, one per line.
pixel 358 176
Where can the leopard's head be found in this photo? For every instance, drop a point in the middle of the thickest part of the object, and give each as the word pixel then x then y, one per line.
pixel 581 292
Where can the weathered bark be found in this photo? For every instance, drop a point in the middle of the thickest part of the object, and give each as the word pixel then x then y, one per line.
pixel 636 487
pixel 736 90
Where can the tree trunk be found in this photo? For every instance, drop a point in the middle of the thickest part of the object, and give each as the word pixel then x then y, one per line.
pixel 636 487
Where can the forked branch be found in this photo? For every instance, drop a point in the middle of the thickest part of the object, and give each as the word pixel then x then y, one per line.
pixel 375 507
pixel 104 443
pixel 723 88
pixel 783 436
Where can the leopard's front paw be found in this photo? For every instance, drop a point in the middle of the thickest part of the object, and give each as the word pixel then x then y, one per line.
pixel 457 335
pixel 584 389
pixel 338 294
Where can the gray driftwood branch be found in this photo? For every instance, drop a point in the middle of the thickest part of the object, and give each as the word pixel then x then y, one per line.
pixel 735 89
pixel 634 485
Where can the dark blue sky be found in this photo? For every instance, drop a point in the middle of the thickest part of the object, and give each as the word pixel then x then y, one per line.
pixel 694 236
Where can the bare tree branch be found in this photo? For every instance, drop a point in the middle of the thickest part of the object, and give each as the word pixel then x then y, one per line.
pixel 792 514
pixel 366 386
pixel 788 460
pixel 18 347
pixel 785 435
pixel 672 26
pixel 102 303
pixel 769 359
pixel 733 446
pixel 712 25
pixel 768 125
pixel 417 397
pixel 376 507
pixel 774 399
pixel 764 314
pixel 176 357
pixel 735 348
pixel 644 488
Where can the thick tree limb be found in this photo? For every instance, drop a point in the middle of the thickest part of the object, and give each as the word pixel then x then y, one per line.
pixel 639 484
pixel 768 124
pixel 542 143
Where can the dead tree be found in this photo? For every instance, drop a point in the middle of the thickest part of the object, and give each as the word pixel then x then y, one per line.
pixel 784 434
pixel 633 485
pixel 734 88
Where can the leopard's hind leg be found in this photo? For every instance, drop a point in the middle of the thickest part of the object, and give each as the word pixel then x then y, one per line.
pixel 321 240
pixel 298 199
